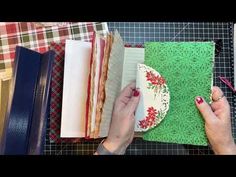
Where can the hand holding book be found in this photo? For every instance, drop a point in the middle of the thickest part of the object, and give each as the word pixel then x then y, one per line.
pixel 121 131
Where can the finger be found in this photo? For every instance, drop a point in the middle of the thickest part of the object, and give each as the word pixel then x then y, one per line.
pixel 128 90
pixel 205 109
pixel 218 112
pixel 133 102
pixel 125 95
pixel 216 94
pixel 215 106
pixel 221 104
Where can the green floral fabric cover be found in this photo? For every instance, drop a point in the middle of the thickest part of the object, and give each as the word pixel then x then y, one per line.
pixel 188 70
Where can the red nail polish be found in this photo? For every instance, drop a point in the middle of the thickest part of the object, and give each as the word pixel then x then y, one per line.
pixel 199 100
pixel 136 93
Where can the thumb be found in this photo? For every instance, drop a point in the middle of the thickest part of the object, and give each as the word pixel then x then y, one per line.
pixel 133 102
pixel 204 109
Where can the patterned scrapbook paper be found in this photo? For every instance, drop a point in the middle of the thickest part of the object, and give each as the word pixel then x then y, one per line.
pixel 38 37
pixel 188 70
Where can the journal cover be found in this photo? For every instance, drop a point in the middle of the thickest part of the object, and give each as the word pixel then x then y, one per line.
pixel 188 70
pixel 21 103
pixel 28 101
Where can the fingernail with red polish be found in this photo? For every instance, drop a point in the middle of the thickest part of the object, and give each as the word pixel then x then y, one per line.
pixel 199 100
pixel 136 93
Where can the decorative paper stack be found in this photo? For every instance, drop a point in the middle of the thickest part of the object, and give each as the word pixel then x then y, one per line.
pixel 83 101
pixel 100 67
pixel 169 81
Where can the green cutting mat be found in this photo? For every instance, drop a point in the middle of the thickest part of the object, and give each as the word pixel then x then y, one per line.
pixel 188 70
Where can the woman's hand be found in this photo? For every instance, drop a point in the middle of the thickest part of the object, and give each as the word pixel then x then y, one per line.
pixel 217 122
pixel 121 131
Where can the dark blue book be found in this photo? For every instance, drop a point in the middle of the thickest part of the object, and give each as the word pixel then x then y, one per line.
pixel 25 125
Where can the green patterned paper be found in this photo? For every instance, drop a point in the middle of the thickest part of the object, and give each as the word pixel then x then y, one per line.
pixel 188 70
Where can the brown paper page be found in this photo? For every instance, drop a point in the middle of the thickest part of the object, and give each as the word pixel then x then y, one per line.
pixel 98 63
pixel 101 92
pixel 93 67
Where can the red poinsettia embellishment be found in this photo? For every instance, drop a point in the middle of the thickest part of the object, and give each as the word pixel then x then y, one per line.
pixel 151 111
pixel 149 120
pixel 143 124
pixel 149 76
pixel 154 79
pixel 162 81
pixel 155 82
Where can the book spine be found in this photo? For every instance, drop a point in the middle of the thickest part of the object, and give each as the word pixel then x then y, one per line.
pixel 20 108
pixel 40 115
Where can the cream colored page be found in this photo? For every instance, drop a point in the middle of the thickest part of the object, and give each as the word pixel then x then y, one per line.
pixel 76 72
pixel 133 56
pixel 113 83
